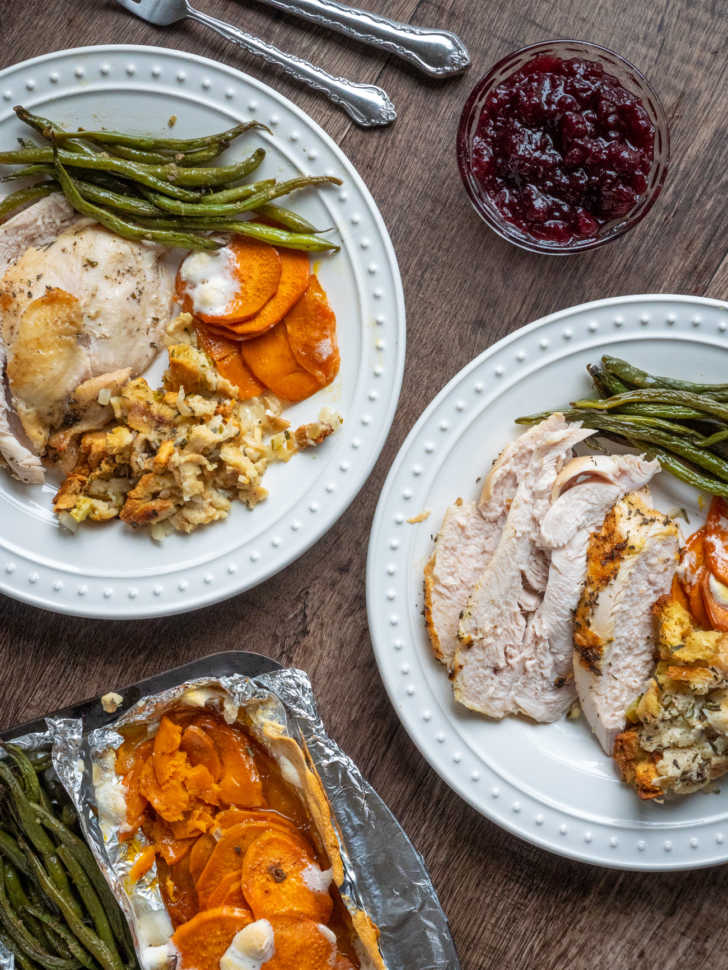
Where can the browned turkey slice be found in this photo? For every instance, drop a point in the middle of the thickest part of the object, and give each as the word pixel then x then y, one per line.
pixel 630 563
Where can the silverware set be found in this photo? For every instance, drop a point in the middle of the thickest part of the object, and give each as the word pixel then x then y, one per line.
pixel 437 53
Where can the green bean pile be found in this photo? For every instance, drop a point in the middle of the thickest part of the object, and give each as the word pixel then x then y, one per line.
pixel 56 910
pixel 160 189
pixel 684 425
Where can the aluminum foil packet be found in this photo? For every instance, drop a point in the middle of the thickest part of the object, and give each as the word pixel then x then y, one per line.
pixel 383 874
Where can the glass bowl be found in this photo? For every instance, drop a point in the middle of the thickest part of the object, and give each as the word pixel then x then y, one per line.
pixel 629 77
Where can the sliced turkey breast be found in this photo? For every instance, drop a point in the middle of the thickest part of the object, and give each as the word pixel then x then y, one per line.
pixel 490 657
pixel 466 541
pixel 582 495
pixel 630 563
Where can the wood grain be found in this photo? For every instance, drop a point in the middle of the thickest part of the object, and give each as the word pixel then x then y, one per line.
pixel 511 906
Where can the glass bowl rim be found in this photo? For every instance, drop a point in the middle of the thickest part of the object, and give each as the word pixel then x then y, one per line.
pixel 499 225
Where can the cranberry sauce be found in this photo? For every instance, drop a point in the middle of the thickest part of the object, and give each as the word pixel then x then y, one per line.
pixel 561 148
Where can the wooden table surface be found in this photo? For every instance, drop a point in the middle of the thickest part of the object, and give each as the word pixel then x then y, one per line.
pixel 511 906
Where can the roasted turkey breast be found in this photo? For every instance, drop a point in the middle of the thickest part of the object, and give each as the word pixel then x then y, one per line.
pixel 37 226
pixel 76 302
pixel 490 664
pixel 630 562
pixel 466 541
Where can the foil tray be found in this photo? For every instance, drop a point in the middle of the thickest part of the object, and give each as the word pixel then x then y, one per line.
pixel 397 889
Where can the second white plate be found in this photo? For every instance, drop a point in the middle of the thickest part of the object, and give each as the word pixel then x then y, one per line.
pixel 550 784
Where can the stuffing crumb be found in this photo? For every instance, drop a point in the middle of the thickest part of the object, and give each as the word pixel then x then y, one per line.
pixel 172 121
pixel 176 458
pixel 111 702
pixel 420 517
pixel 574 712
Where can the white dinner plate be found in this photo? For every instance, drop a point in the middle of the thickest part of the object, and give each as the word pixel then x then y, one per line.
pixel 107 570
pixel 550 783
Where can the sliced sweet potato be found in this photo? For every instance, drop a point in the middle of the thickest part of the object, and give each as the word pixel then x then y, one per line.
pixel 136 803
pixel 311 328
pixel 271 359
pixel 231 816
pixel 295 271
pixel 229 363
pixel 170 800
pixel 257 272
pixel 239 782
pixel 170 848
pixel 228 892
pixel 198 820
pixel 300 943
pixel 200 750
pixel 276 880
pixel 142 864
pixel 178 890
pixel 203 940
pixel 200 853
pixel 227 856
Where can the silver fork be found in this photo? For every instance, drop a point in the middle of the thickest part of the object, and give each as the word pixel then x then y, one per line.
pixel 366 104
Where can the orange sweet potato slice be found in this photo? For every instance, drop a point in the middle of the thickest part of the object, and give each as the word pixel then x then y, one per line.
pixel 170 800
pixel 199 854
pixel 198 820
pixel 200 750
pixel 203 940
pixel 300 943
pixel 257 272
pixel 178 890
pixel 229 363
pixel 295 271
pixel 142 864
pixel 276 882
pixel 311 329
pixel 240 782
pixel 228 892
pixel 227 856
pixel 231 816
pixel 136 803
pixel 271 359
pixel 170 848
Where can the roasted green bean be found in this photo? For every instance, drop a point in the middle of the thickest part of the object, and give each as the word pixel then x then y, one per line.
pixel 21 960
pixel 84 856
pixel 236 193
pixel 153 143
pixel 70 941
pixel 116 200
pixel 47 128
pixel 28 822
pixel 24 197
pixel 89 898
pixel 285 188
pixel 287 218
pixel 153 176
pixel 635 377
pixel 26 771
pixel 86 936
pixel 126 229
pixel 12 852
pixel 255 230
pixel 699 402
pixel 18 932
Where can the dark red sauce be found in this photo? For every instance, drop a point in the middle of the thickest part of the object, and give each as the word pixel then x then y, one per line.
pixel 562 148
